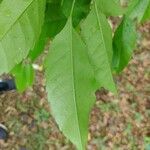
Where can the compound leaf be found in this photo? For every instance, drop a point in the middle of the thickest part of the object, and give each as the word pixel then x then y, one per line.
pixel 20 27
pixel 98 37
pixel 70 85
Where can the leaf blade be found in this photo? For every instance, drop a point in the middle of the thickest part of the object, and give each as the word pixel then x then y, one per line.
pixel 64 77
pixel 124 42
pixel 111 7
pixel 138 9
pixel 81 8
pixel 24 76
pixel 20 27
pixel 98 37
pixel 147 13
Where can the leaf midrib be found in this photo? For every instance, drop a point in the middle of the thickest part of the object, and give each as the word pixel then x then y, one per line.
pixel 62 2
pixel 16 20
pixel 73 83
pixel 97 15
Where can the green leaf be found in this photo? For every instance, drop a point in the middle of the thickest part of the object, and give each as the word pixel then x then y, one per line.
pixel 138 10
pixel 20 27
pixel 147 13
pixel 39 46
pixel 124 42
pixel 110 7
pixel 24 76
pixel 55 20
pixel 70 85
pixel 54 23
pixel 81 8
pixel 53 1
pixel 98 37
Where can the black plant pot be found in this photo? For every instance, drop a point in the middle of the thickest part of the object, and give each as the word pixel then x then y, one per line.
pixel 7 85
pixel 3 132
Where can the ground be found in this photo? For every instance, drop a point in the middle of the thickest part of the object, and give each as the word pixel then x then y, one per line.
pixel 119 122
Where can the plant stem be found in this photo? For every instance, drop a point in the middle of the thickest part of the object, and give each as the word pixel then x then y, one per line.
pixel 73 3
